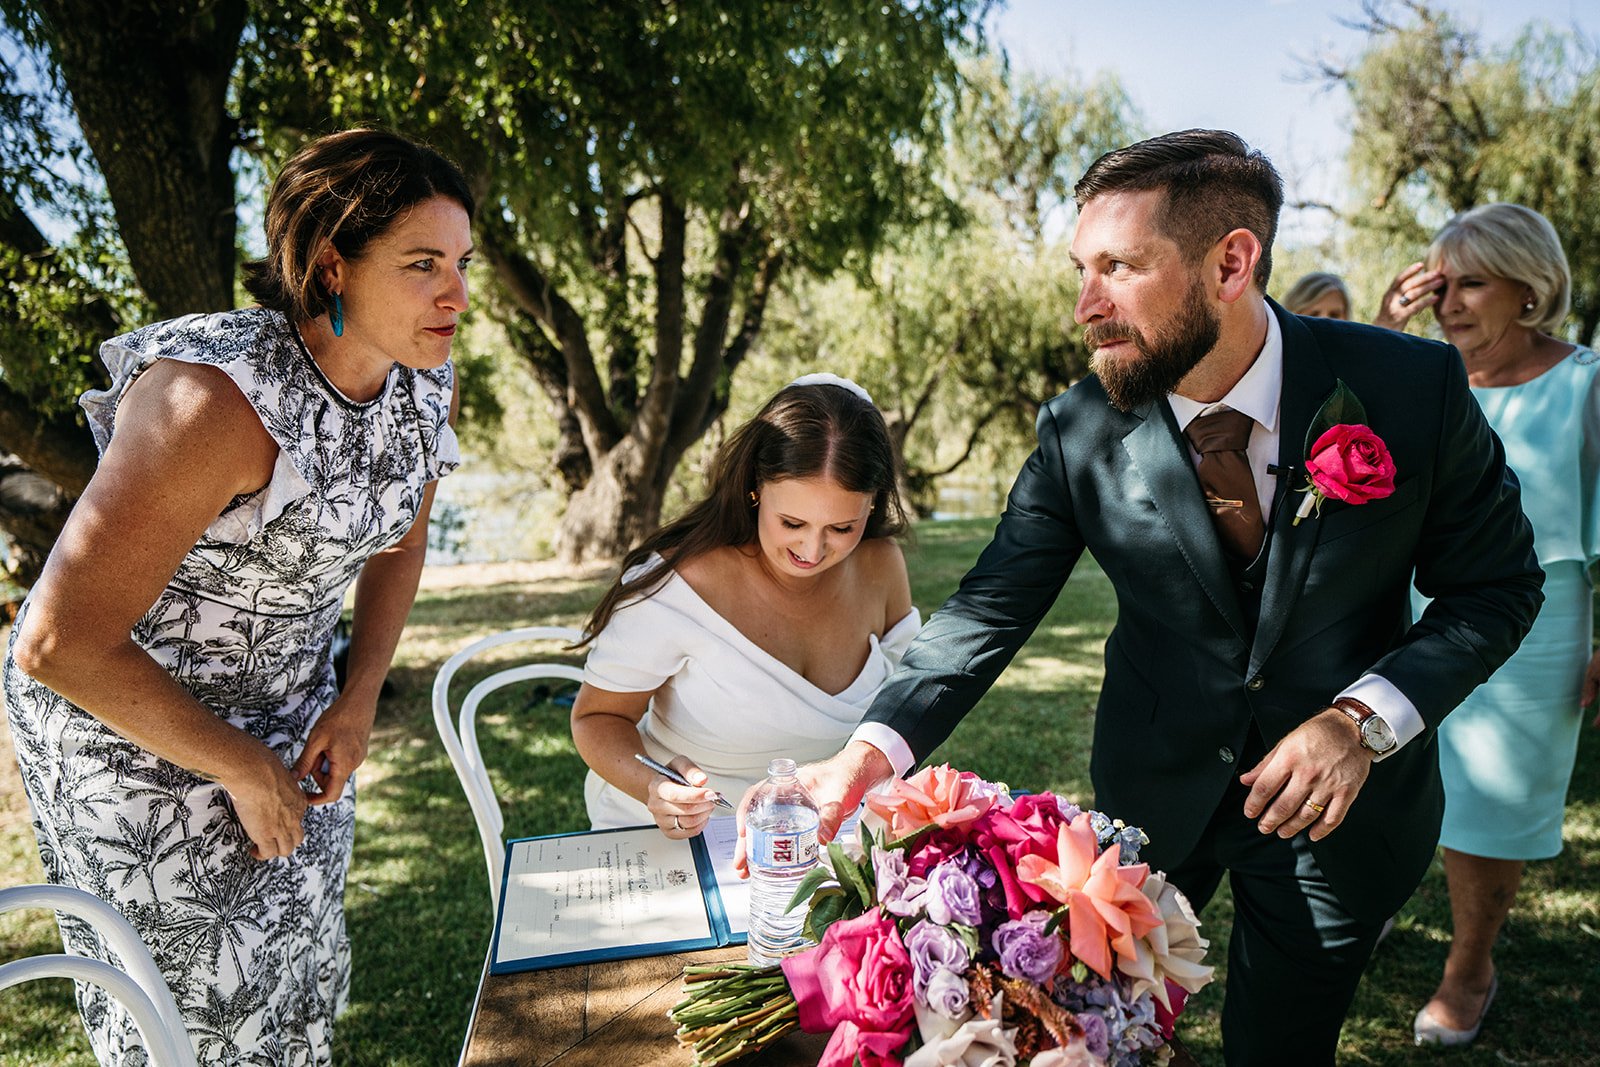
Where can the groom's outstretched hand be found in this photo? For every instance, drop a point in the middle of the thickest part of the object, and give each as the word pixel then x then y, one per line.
pixel 1309 779
pixel 836 785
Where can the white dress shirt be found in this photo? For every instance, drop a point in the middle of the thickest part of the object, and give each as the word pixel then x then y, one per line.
pixel 1257 394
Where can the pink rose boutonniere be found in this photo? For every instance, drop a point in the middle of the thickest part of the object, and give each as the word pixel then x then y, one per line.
pixel 1348 463
pixel 1345 459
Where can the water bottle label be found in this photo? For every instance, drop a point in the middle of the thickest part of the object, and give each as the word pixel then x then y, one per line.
pixel 783 849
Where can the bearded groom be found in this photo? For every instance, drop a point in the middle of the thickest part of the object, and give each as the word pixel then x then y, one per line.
pixel 1269 708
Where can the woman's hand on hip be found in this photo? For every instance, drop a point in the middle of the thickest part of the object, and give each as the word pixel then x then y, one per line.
pixel 336 746
pixel 271 807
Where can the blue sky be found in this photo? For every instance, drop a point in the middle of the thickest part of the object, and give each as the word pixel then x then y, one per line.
pixel 1233 65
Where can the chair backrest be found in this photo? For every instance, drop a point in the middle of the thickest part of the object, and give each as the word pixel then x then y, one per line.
pixel 460 735
pixel 138 985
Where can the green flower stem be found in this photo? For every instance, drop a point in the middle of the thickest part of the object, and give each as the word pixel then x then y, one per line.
pixel 733 1010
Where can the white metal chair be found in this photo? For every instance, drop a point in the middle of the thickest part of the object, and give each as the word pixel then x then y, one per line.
pixel 139 986
pixel 461 737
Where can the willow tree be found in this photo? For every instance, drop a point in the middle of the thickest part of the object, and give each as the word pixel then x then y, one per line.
pixel 651 171
pixel 962 327
pixel 1445 121
pixel 123 137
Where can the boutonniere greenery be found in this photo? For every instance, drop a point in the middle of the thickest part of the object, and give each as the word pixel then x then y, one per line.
pixel 1345 460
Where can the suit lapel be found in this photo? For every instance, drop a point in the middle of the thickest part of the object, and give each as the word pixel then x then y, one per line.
pixel 1161 458
pixel 1307 382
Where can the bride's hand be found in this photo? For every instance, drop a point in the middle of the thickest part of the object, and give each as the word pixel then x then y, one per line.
pixel 680 810
pixel 836 786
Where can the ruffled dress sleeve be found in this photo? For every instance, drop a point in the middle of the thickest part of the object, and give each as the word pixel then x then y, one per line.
pixel 318 430
pixel 1589 456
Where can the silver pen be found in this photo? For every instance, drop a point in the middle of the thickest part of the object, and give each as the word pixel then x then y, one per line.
pixel 672 775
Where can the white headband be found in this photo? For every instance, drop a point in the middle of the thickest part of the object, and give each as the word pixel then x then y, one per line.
pixel 826 378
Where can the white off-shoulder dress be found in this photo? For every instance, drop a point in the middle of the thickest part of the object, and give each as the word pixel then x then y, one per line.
pixel 721 700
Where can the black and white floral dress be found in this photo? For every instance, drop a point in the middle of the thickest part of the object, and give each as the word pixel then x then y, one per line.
pixel 255 952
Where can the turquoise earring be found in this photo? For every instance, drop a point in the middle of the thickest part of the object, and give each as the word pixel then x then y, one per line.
pixel 336 316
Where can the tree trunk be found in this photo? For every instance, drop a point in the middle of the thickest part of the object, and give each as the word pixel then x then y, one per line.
pixel 149 82
pixel 615 511
pixel 32 513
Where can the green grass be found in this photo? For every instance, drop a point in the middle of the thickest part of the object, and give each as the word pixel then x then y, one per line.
pixel 418 906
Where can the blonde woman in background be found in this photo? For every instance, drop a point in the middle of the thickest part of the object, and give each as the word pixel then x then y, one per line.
pixel 1498 284
pixel 1319 295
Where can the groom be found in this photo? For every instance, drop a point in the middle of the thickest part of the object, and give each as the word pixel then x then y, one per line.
pixel 1268 709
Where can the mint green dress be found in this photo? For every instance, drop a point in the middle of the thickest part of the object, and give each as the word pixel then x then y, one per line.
pixel 1507 753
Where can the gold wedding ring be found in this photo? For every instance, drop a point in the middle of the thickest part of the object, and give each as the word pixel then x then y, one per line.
pixel 1318 808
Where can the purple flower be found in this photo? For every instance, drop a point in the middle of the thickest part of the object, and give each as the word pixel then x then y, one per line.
pixel 1095 1034
pixel 932 948
pixel 948 994
pixel 1132 839
pixel 1025 950
pixel 952 896
pixel 898 892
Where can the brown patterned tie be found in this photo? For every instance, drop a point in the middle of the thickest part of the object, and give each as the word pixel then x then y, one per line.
pixel 1224 471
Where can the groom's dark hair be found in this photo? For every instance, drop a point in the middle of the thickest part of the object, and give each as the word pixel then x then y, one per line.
pixel 1215 183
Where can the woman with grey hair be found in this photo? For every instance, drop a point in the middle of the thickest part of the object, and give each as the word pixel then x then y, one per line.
pixel 1497 281
pixel 1318 295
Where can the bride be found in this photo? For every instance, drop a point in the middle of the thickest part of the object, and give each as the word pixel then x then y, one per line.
pixel 758 625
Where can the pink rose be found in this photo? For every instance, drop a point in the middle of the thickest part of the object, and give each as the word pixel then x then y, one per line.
pixel 935 796
pixel 1167 1018
pixel 1029 827
pixel 850 1044
pixel 860 974
pixel 1351 463
pixel 933 849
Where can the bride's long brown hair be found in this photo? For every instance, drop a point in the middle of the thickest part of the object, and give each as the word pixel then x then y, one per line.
pixel 803 431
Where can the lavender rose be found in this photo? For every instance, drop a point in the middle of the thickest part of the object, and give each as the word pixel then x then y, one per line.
pixel 1095 1034
pixel 953 895
pixel 1025 950
pixel 948 994
pixel 898 892
pixel 933 949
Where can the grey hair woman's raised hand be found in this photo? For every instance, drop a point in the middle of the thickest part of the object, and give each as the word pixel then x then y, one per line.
pixel 1413 289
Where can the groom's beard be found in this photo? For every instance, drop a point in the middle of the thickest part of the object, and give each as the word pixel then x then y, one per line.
pixel 1170 352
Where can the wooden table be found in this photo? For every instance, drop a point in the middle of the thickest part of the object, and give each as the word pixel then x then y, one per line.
pixel 608 1015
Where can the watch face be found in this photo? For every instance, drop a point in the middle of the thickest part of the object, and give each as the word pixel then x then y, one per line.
pixel 1377 735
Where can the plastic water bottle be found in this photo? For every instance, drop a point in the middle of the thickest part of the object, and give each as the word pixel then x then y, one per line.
pixel 781 837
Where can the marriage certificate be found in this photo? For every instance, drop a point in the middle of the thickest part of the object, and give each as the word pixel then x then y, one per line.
pixel 605 895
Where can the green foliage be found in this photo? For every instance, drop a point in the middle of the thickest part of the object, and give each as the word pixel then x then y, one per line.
pixel 647 172
pixel 55 299
pixel 962 326
pixel 1445 121
pixel 417 901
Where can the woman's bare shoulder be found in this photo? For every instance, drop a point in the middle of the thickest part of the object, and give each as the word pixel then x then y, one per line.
pixel 713 572
pixel 195 413
pixel 881 568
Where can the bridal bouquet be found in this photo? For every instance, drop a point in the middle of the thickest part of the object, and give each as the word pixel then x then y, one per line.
pixel 968 927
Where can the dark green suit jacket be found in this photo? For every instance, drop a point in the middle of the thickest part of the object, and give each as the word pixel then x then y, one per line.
pixel 1184 674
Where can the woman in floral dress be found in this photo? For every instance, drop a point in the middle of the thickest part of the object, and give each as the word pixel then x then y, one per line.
pixel 186 750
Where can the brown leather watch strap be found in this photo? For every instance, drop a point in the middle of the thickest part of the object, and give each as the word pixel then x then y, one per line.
pixel 1355 708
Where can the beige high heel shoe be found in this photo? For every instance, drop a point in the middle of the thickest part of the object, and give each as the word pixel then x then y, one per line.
pixel 1426 1030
